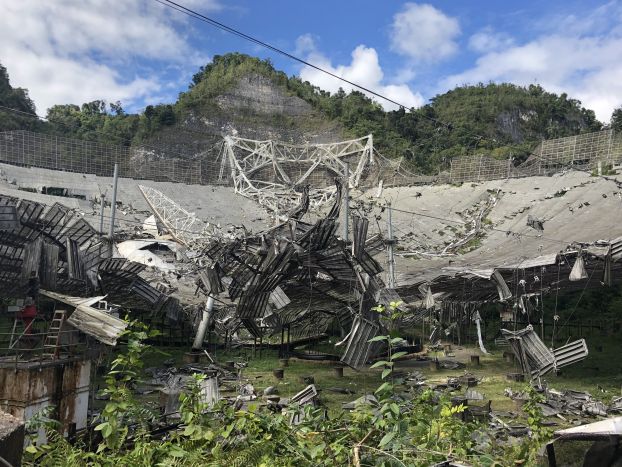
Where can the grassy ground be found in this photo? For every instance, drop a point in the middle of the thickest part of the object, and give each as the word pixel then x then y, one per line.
pixel 600 374
pixel 259 374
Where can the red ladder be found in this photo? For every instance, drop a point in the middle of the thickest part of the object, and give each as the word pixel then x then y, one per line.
pixel 51 345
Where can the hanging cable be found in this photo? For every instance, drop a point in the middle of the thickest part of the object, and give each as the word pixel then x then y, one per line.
pixel 196 15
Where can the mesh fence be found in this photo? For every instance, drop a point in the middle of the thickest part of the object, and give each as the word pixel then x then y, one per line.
pixel 588 151
pixel 212 167
pixel 24 148
pixel 30 149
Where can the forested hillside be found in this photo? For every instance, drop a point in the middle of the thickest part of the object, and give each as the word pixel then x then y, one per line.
pixel 243 94
pixel 17 99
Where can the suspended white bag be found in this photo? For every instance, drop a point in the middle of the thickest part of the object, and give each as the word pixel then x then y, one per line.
pixel 578 270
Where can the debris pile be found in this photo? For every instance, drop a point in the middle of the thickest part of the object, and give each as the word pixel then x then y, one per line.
pixel 571 404
pixel 297 278
pixel 535 358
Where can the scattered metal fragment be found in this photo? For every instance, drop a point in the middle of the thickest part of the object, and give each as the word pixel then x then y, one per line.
pixel 270 391
pixel 535 223
pixel 473 395
pixel 358 348
pixel 604 434
pixel 451 364
pixel 95 322
pixel 306 396
pixel 535 358
pixel 340 390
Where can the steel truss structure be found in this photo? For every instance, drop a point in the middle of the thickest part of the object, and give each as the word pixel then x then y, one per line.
pixel 184 226
pixel 274 173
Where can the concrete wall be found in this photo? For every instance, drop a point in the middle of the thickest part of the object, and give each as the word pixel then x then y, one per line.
pixel 214 204
pixel 28 388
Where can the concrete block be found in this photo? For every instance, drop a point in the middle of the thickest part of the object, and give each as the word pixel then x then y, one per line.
pixel 12 434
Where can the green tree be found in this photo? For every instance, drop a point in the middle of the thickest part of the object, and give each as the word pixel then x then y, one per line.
pixel 616 120
pixel 17 99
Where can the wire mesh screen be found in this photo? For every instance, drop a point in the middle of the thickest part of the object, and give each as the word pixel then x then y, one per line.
pixel 213 167
pixel 30 149
pixel 588 151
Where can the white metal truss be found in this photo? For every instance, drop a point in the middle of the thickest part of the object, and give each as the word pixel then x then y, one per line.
pixel 247 158
pixel 183 226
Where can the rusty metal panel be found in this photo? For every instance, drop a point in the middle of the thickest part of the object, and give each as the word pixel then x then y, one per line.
pixel 75 263
pixel 253 304
pixel 150 294
pixel 112 264
pixel 80 231
pixel 49 265
pixel 8 217
pixel 32 259
pixel 374 244
pixel 55 219
pixel 616 249
pixel 6 200
pixel 97 323
pixel 502 287
pixel 121 266
pixel 29 211
pixel 172 309
pixel 359 234
pixel 358 348
pixel 534 357
pixel 345 317
pixel 252 328
pixel 369 264
pixel 311 323
pixel 94 255
pixel 210 279
pixel 570 353
pixel 279 299
pixel 28 387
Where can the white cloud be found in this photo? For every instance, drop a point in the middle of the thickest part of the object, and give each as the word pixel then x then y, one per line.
pixel 579 54
pixel 364 69
pixel 424 33
pixel 72 51
pixel 587 68
pixel 488 40
pixel 305 44
pixel 602 19
pixel 57 80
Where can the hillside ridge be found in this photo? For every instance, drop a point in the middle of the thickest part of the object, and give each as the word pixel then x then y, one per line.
pixel 243 95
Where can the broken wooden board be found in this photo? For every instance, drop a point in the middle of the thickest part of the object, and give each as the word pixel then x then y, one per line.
pixel 96 323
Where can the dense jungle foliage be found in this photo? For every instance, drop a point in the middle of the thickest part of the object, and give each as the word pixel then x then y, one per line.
pixel 503 120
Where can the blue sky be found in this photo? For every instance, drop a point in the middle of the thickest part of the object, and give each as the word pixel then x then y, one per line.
pixel 140 52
